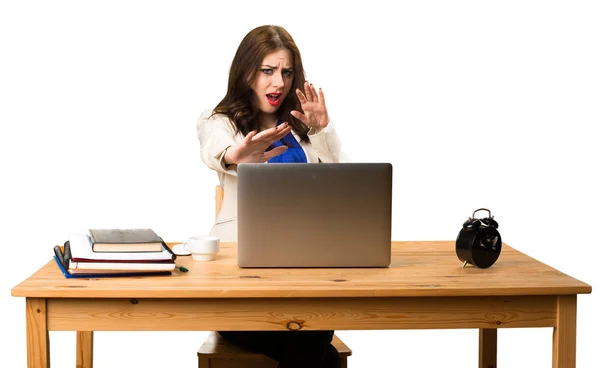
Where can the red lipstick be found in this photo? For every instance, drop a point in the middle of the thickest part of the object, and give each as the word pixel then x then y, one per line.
pixel 274 99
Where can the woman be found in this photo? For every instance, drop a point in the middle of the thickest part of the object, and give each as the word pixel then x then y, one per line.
pixel 269 114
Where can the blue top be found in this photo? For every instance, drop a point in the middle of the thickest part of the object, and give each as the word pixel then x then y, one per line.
pixel 294 153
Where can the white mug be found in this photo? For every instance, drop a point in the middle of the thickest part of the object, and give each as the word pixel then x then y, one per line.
pixel 202 248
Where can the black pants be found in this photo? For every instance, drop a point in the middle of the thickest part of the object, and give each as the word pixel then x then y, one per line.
pixel 292 349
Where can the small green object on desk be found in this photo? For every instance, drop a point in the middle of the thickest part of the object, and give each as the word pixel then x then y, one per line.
pixel 181 268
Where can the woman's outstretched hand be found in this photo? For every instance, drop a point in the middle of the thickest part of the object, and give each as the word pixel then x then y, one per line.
pixel 313 103
pixel 253 148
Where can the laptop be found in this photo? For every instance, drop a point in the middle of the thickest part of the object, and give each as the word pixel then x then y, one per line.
pixel 314 215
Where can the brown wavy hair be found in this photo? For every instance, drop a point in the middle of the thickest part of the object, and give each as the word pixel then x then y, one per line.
pixel 238 103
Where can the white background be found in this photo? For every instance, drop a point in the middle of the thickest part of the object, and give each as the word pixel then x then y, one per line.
pixel 475 103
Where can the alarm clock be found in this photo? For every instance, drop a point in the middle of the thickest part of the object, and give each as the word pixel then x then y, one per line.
pixel 479 243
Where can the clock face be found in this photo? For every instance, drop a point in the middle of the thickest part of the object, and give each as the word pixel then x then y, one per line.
pixel 486 247
pixel 489 242
pixel 480 247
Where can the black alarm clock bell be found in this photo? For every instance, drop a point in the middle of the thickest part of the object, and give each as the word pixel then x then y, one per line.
pixel 479 242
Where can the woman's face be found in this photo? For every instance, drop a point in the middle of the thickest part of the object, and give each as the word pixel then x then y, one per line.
pixel 273 80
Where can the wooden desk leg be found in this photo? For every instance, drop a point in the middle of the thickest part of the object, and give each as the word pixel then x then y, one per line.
pixel 564 335
pixel 488 347
pixel 85 349
pixel 38 342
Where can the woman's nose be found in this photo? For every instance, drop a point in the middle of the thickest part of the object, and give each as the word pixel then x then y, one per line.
pixel 277 80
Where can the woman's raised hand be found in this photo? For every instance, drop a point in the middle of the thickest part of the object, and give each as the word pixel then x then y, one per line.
pixel 313 103
pixel 253 148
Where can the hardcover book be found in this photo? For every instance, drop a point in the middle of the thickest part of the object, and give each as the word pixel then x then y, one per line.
pixel 79 249
pixel 125 240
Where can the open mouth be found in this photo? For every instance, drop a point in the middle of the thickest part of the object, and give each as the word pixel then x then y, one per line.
pixel 274 99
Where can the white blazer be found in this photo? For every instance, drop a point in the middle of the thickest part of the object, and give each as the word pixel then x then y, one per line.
pixel 216 133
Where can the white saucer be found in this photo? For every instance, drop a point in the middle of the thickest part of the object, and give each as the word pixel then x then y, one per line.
pixel 180 251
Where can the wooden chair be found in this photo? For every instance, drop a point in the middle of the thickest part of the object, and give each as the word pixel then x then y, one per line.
pixel 216 352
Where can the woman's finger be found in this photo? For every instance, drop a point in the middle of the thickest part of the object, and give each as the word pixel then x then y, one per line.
pixel 301 96
pixel 313 91
pixel 272 135
pixel 283 133
pixel 274 152
pixel 321 96
pixel 264 134
pixel 308 91
pixel 249 136
pixel 278 136
pixel 300 116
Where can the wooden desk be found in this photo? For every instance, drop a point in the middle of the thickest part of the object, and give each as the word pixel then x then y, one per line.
pixel 425 288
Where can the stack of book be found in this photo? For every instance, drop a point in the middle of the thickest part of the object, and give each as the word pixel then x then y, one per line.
pixel 115 252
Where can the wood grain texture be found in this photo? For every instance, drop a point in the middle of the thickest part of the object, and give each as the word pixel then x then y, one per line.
pixel 84 349
pixel 488 347
pixel 418 269
pixel 38 343
pixel 306 314
pixel 565 332
pixel 424 288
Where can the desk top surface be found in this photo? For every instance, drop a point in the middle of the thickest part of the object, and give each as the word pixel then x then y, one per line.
pixel 418 269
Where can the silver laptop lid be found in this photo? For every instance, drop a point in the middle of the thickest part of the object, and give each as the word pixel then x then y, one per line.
pixel 314 215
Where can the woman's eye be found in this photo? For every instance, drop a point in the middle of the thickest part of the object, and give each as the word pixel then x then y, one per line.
pixel 267 71
pixel 288 73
